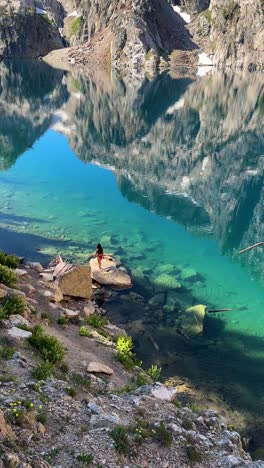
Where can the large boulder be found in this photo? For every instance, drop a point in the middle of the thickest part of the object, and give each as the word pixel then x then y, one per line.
pixel 112 273
pixel 77 282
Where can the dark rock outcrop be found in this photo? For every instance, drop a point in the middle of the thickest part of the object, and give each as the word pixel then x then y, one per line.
pixel 26 34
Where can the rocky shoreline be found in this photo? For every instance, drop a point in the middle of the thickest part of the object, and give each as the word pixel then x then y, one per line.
pixel 74 394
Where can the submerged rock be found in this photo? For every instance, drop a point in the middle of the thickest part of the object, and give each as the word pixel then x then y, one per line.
pixel 167 281
pixel 192 320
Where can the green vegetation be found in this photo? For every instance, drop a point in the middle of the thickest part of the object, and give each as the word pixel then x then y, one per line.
pixel 46 316
pixel 71 391
pixel 43 371
pixel 154 372
pixel 79 380
pixel 11 261
pixel 7 276
pixel 51 454
pixel 96 321
pixel 84 331
pixel 7 352
pixel 163 436
pixel 125 353
pixel 207 14
pixel 193 454
pixel 144 430
pixel 48 346
pixel 120 436
pixel 85 458
pixel 194 408
pixel 63 321
pixel 12 305
pixel 76 26
pixel 42 417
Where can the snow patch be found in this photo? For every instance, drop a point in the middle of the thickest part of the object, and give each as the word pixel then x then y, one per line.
pixel 185 16
pixel 178 105
pixel 39 11
pixel 73 13
pixel 204 59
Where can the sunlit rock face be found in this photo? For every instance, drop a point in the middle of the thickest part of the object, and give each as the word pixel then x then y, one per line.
pixel 188 150
pixel 26 111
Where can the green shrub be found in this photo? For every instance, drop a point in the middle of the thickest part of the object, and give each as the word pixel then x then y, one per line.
pixel 46 316
pixel 43 371
pixel 63 321
pixel 64 368
pixel 71 391
pixel 125 353
pixel 80 380
pixel 7 276
pixel 76 26
pixel 84 332
pixel 194 408
pixel 42 417
pixel 48 346
pixel 163 435
pixel 120 436
pixel 11 261
pixel 141 379
pixel 85 458
pixel 194 454
pixel 154 372
pixel 12 305
pixel 96 321
pixel 7 352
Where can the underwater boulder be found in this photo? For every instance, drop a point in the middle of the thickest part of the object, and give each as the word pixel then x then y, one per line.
pixel 188 274
pixel 193 319
pixel 167 281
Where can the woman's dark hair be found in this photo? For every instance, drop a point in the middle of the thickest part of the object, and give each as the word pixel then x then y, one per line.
pixel 99 248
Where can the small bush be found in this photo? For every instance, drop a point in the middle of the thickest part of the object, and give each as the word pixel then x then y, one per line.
pixel 79 380
pixel 12 305
pixel 96 321
pixel 48 346
pixel 7 352
pixel 84 332
pixel 163 435
pixel 193 454
pixel 46 316
pixel 76 26
pixel 125 352
pixel 42 418
pixel 120 436
pixel 154 372
pixel 194 408
pixel 63 321
pixel 86 458
pixel 43 371
pixel 141 379
pixel 11 261
pixel 64 368
pixel 71 391
pixel 28 404
pixel 7 276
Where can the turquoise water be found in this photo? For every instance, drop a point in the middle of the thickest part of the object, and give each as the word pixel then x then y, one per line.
pixel 168 175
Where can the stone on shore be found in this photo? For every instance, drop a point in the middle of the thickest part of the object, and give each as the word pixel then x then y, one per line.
pixel 99 368
pixel 77 282
pixel 20 272
pixel 111 274
pixel 89 309
pixel 18 333
pixel 18 320
pixel 36 266
pixel 159 391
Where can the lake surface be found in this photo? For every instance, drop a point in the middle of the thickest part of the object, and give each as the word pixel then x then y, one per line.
pixel 168 175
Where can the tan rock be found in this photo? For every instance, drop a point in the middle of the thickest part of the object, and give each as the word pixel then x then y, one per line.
pixel 77 282
pixel 47 277
pixel 19 272
pixel 98 367
pixel 18 320
pixel 5 430
pixel 3 293
pixel 111 274
pixel 89 309
pixel 100 339
pixel 18 333
pixel 29 421
pixel 36 266
pixel 71 314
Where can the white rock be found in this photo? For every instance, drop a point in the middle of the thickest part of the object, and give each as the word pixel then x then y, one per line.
pixel 89 309
pixel 71 314
pixel 36 266
pixel 19 334
pixel 20 272
pixel 98 367
pixel 47 276
pixel 160 391
pixel 18 320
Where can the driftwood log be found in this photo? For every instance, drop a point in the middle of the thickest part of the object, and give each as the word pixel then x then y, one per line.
pixel 251 247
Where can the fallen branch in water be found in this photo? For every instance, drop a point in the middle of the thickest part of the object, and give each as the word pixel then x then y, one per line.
pixel 251 247
pixel 218 310
pixel 154 343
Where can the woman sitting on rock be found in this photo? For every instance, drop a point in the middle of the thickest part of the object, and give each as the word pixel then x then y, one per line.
pixel 99 253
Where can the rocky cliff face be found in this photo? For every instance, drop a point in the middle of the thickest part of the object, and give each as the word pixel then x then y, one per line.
pixel 24 33
pixel 233 32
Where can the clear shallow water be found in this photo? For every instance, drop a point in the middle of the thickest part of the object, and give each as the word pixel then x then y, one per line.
pixel 168 175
